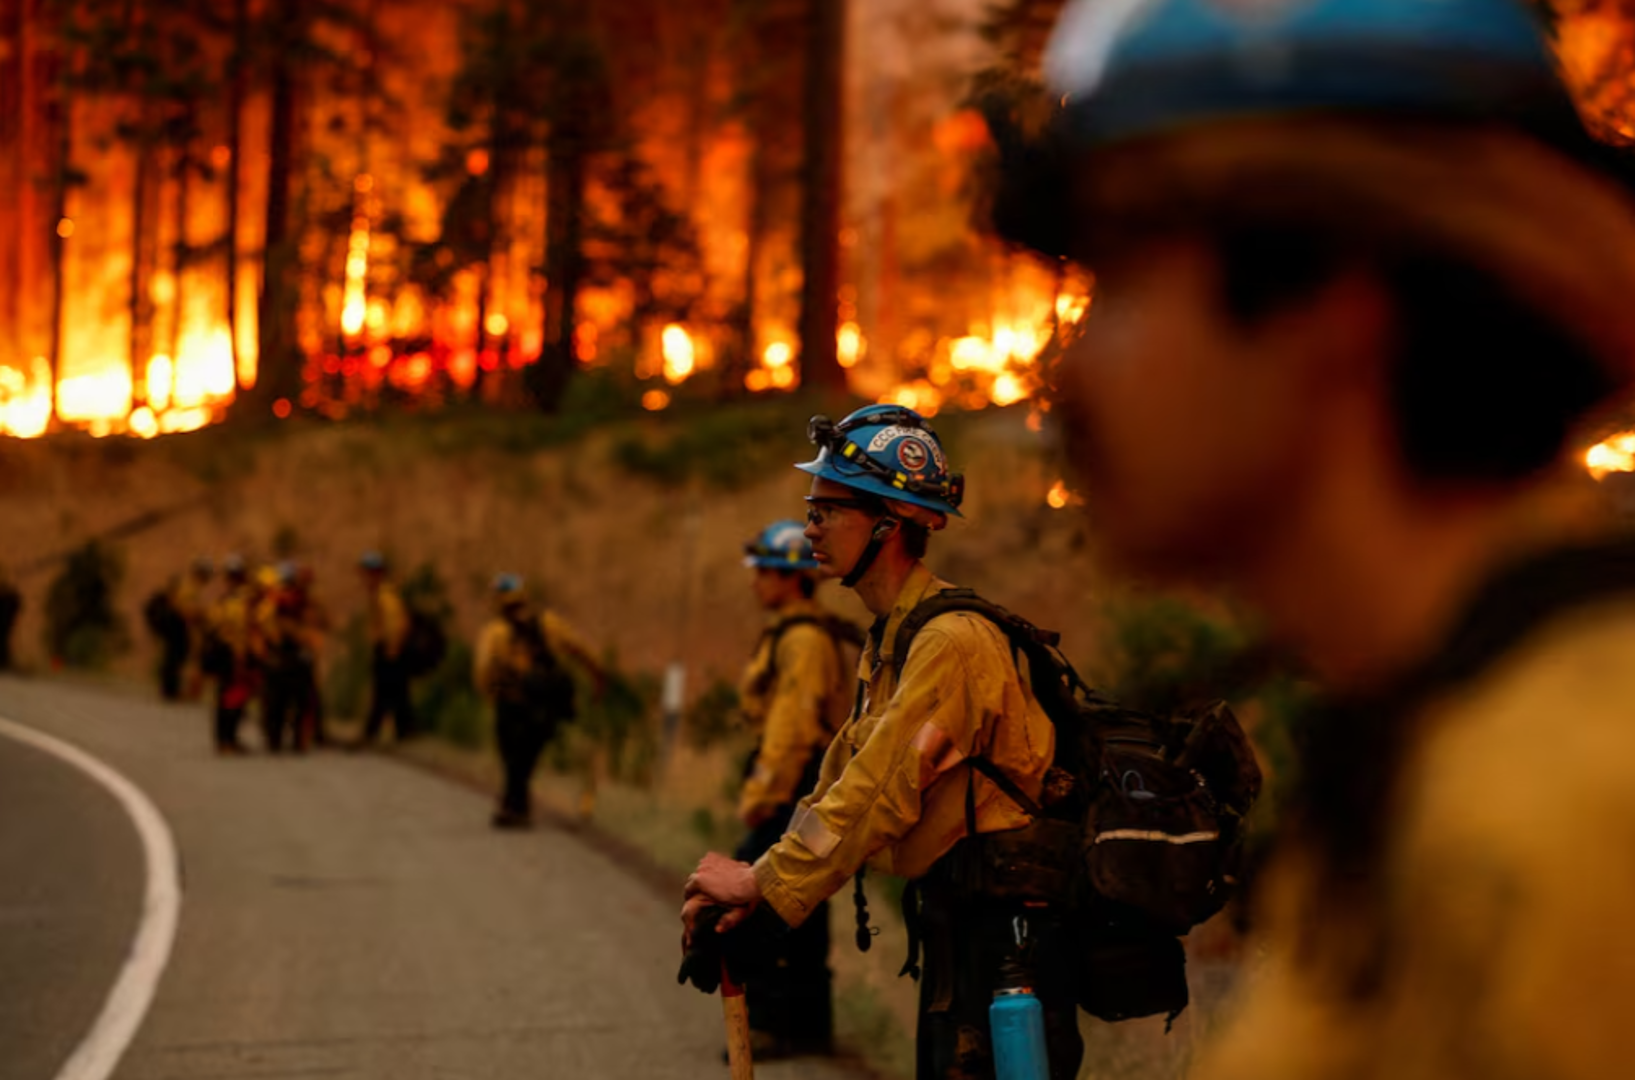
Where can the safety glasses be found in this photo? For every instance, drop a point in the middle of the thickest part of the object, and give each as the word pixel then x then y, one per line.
pixel 820 511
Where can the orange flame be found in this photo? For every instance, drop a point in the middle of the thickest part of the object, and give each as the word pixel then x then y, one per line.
pixel 1616 454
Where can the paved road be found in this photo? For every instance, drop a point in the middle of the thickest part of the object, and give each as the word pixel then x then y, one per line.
pixel 70 891
pixel 344 916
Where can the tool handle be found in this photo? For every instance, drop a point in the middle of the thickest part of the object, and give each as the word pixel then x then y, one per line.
pixel 736 1014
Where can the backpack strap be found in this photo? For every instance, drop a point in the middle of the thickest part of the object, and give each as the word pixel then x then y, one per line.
pixel 840 632
pixel 1023 636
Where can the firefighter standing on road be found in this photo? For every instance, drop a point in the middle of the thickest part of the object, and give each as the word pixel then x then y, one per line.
pixel 287 651
pixel 795 695
pixel 519 666
pixel 389 669
pixel 227 655
pixel 895 789
pixel 1361 275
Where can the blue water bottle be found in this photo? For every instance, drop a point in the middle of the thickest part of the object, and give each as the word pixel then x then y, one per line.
pixel 1016 1020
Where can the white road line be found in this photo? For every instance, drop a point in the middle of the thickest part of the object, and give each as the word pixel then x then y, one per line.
pixel 99 1052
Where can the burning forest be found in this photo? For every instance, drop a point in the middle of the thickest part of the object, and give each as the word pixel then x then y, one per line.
pixel 264 208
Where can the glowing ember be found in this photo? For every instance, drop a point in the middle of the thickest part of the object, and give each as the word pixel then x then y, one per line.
pixel 161 378
pixel 65 228
pixel 679 357
pixel 496 324
pixel 654 400
pixel 95 396
pixel 144 423
pixel 778 354
pixel 282 408
pixel 849 344
pixel 1616 454
pixel 1058 496
pixel 355 306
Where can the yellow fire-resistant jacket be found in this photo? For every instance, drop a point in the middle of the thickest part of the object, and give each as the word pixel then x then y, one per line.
pixel 501 654
pixel 892 790
pixel 388 619
pixel 1510 877
pixel 794 701
pixel 232 619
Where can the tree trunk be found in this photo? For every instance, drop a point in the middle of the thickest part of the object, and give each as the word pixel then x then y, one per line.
pixel 59 120
pixel 547 380
pixel 755 228
pixel 235 145
pixel 13 176
pixel 279 360
pixel 820 216
pixel 181 252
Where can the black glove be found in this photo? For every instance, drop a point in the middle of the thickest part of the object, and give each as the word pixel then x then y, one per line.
pixel 747 949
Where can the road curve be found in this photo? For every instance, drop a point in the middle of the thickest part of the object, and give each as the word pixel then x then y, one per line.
pixel 345 917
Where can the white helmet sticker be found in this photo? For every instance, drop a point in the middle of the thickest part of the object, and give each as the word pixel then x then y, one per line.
pixel 886 436
pixel 1083 42
pixel 791 536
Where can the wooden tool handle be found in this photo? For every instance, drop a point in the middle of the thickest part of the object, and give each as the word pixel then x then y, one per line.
pixel 736 1013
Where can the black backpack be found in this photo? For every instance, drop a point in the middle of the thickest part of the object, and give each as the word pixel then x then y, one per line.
pixel 426 643
pixel 1142 822
pixel 546 688
pixel 844 633
pixel 160 613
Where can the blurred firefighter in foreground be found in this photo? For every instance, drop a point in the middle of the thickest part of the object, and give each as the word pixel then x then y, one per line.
pixel 226 655
pixel 175 615
pixel 522 667
pixel 795 696
pixel 1362 279
pixel 389 671
pixel 289 636
pixel 897 788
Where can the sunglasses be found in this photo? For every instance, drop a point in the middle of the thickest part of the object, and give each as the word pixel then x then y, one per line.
pixel 820 511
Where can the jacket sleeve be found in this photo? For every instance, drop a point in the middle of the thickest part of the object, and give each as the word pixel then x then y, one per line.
pixel 807 669
pixel 927 729
pixel 564 639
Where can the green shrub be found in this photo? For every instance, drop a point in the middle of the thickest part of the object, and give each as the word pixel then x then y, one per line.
pixel 623 722
pixel 713 718
pixel 82 629
pixel 346 681
pixel 724 446
pixel 447 703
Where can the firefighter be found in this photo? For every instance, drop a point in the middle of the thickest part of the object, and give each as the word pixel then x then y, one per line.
pixel 389 671
pixel 179 664
pixel 285 651
pixel 227 654
pixel 1363 285
pixel 895 789
pixel 794 695
pixel 522 667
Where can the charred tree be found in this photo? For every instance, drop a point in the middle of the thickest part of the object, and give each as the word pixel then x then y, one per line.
pixel 238 63
pixel 821 183
pixel 279 360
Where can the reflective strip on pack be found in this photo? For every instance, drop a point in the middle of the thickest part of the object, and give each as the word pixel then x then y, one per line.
pixel 1157 836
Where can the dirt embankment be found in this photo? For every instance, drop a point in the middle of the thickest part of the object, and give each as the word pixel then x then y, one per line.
pixel 649 568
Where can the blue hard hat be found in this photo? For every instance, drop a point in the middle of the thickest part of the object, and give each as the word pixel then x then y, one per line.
pixel 782 545
pixel 506 584
pixel 887 451
pixel 372 560
pixel 1129 68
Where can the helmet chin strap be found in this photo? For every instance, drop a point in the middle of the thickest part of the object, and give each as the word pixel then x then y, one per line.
pixel 877 539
